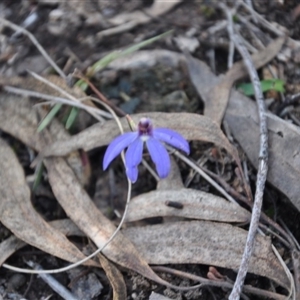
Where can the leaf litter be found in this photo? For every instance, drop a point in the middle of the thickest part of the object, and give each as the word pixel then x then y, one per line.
pixel 57 167
pixel 90 220
pixel 216 96
pixel 73 198
pixel 18 214
pixel 12 244
pixel 204 242
pixel 241 115
pixel 196 205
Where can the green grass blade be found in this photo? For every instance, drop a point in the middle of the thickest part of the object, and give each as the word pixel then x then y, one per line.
pixel 106 60
pixel 72 117
pixel 140 45
pixel 38 175
pixel 49 117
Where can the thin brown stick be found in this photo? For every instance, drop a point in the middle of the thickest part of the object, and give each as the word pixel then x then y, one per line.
pixel 263 157
pixel 193 165
pixel 222 284
pixel 79 75
pixel 226 186
pixel 268 230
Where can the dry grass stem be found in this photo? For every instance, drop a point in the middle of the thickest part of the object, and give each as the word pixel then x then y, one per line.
pixel 58 89
pixel 36 43
pixel 202 173
pixel 94 111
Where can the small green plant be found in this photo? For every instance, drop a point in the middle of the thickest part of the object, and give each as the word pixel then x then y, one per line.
pixel 266 85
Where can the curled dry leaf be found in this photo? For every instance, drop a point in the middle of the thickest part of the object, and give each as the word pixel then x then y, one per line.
pixel 217 96
pixel 204 242
pixel 9 246
pixel 18 214
pixel 284 138
pixel 191 126
pixel 115 278
pixel 196 205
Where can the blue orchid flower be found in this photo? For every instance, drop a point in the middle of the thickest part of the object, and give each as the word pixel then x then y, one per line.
pixel 134 141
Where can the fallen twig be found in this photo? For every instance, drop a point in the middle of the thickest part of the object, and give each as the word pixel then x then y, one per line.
pixel 92 110
pixel 250 5
pixel 262 20
pixel 36 43
pixel 53 283
pixel 222 284
pixel 263 157
pixel 79 75
pixel 202 173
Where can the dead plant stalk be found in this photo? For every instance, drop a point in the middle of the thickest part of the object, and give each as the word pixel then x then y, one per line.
pixel 263 157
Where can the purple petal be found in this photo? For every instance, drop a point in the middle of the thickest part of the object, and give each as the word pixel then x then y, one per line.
pixel 172 138
pixel 133 158
pixel 132 173
pixel 116 146
pixel 159 156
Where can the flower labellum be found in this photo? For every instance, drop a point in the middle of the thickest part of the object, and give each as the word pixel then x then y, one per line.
pixel 134 142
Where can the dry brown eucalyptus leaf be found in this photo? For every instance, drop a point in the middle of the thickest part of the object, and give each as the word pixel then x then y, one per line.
pixel 20 119
pixel 284 138
pixel 115 278
pixel 204 242
pixel 191 126
pixel 19 216
pixel 13 244
pixel 196 205
pixel 9 246
pixel 217 97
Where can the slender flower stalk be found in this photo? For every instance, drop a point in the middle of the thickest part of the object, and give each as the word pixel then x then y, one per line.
pixel 134 142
